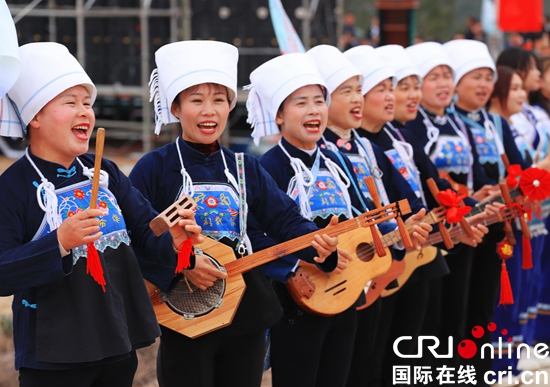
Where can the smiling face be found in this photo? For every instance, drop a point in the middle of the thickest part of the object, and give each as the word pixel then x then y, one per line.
pixel 516 96
pixel 203 111
pixel 437 89
pixel 475 88
pixel 346 105
pixel 61 130
pixel 303 117
pixel 378 106
pixel 408 95
pixel 531 82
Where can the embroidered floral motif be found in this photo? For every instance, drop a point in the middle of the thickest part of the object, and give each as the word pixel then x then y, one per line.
pixel 321 184
pixel 325 197
pixel 217 210
pixel 74 199
pixel 211 201
pixel 450 155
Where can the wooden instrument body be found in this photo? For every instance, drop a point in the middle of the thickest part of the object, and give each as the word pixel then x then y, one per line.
pixel 333 293
pixel 413 260
pixel 380 283
pixel 217 318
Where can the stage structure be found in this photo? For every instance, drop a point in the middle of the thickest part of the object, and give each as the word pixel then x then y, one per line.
pixel 115 41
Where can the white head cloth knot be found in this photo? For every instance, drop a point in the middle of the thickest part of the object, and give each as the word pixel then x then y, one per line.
pixel 333 66
pixel 272 83
pixel 182 65
pixel 427 56
pixel 467 55
pixel 373 68
pixel 47 69
pixel 10 64
pixel 398 60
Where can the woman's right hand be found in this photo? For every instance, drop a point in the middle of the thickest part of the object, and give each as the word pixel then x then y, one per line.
pixel 79 229
pixel 204 274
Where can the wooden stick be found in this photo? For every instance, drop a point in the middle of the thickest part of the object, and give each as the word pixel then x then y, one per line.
pixel 378 245
pixel 442 230
pixel 99 142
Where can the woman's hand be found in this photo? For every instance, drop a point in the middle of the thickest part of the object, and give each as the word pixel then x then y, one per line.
pixel 204 274
pixel 79 229
pixel 325 245
pixel 186 227
pixel 420 231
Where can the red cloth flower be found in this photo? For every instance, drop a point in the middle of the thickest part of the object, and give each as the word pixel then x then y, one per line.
pixel 451 200
pixel 535 183
pixel 514 174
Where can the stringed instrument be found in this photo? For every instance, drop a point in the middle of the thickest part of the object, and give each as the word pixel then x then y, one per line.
pixel 327 294
pixel 414 259
pixel 194 312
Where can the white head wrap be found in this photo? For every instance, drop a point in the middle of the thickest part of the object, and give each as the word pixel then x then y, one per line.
pixel 373 68
pixel 427 56
pixel 467 55
pixel 272 83
pixel 10 65
pixel 189 63
pixel 47 69
pixel 333 66
pixel 398 60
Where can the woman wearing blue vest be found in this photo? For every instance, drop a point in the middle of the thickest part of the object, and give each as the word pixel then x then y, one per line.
pixel 306 349
pixel 80 306
pixel 237 201
pixel 475 74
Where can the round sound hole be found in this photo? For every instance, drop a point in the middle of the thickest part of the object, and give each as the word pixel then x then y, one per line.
pixel 365 252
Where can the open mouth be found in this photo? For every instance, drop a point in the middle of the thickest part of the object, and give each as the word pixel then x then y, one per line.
pixel 389 108
pixel 208 126
pixel 356 113
pixel 313 126
pixel 412 107
pixel 81 131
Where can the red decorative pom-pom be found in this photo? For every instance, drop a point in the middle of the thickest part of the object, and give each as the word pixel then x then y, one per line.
pixel 504 249
pixel 535 183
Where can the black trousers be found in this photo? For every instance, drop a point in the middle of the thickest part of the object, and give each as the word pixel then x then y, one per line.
pixel 212 360
pixel 117 374
pixel 368 322
pixel 312 351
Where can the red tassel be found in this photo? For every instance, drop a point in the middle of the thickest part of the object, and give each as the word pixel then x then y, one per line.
pixel 527 259
pixel 184 255
pixel 93 266
pixel 506 296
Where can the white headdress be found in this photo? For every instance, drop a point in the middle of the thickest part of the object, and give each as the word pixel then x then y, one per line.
pixel 271 83
pixel 189 63
pixel 467 55
pixel 371 65
pixel 398 60
pixel 47 69
pixel 333 66
pixel 10 65
pixel 428 55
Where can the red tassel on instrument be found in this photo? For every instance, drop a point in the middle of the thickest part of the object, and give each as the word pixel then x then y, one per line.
pixel 93 265
pixel 526 259
pixel 506 296
pixel 184 255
